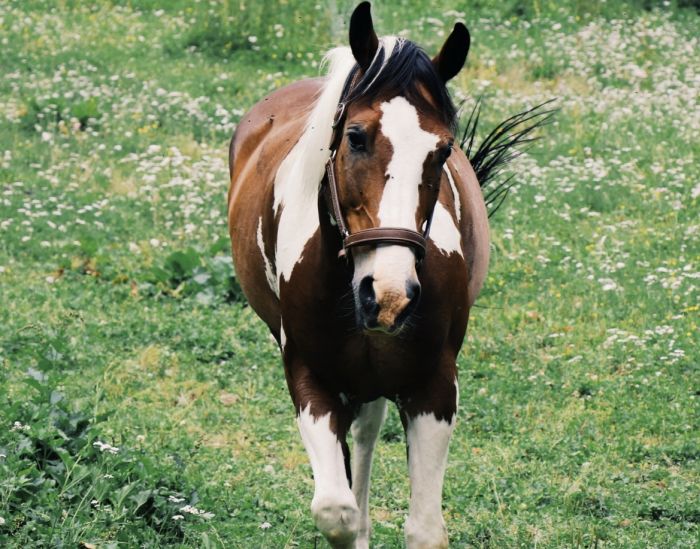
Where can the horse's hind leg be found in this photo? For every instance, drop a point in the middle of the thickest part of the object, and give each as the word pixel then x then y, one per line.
pixel 323 422
pixel 429 425
pixel 365 430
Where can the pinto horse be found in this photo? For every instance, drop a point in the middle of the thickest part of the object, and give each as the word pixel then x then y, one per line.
pixel 360 236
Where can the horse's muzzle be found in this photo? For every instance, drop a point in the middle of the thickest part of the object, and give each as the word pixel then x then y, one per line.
pixel 385 308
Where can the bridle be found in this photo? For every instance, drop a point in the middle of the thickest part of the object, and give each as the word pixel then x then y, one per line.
pixel 375 235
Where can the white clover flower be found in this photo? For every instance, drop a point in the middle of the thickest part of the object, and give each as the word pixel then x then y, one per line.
pixel 194 511
pixel 104 447
pixel 265 526
pixel 608 284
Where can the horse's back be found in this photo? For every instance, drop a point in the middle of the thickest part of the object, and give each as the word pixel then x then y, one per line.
pixel 270 124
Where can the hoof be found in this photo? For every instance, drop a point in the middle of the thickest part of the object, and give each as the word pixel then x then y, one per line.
pixel 338 521
pixel 429 536
pixel 362 542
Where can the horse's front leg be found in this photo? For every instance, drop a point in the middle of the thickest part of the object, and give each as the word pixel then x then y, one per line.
pixel 323 422
pixel 429 420
pixel 365 430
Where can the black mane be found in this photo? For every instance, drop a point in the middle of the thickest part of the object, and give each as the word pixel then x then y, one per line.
pixel 407 69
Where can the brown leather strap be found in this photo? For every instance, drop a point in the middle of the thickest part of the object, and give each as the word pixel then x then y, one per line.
pixel 387 235
pixel 374 235
pixel 332 193
pixel 367 237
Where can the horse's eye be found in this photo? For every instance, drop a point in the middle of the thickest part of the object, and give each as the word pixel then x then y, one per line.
pixel 357 140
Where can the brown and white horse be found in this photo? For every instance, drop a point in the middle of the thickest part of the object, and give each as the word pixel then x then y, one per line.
pixel 360 237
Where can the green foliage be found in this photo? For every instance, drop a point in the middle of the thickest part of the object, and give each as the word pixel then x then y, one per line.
pixel 276 29
pixel 54 458
pixel 123 328
pixel 53 114
pixel 208 278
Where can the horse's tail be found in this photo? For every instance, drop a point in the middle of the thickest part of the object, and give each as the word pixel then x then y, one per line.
pixel 500 147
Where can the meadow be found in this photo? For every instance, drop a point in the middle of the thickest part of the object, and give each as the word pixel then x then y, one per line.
pixel 143 404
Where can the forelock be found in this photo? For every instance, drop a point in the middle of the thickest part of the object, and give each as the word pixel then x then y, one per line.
pixel 401 68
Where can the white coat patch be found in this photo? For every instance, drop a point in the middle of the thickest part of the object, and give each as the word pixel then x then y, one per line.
pixel 325 453
pixel 444 233
pixel 299 175
pixel 428 439
pixel 283 337
pixel 333 507
pixel 458 205
pixel 269 275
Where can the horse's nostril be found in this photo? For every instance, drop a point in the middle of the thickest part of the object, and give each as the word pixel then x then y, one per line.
pixel 368 300
pixel 413 292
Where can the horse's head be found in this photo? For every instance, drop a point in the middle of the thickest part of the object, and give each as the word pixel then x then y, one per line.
pixel 397 132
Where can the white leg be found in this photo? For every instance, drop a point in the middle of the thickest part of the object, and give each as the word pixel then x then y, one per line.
pixel 428 439
pixel 365 430
pixel 333 507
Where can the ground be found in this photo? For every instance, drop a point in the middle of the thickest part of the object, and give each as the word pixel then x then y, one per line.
pixel 142 403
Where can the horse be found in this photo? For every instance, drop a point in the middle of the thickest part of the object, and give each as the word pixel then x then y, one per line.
pixel 360 237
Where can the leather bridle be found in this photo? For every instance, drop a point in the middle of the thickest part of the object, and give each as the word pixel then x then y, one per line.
pixel 375 235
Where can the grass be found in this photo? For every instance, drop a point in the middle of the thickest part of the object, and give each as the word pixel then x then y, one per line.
pixel 143 404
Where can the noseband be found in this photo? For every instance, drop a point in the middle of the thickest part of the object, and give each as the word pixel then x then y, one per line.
pixel 375 235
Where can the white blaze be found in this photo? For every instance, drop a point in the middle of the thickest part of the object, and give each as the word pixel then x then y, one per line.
pixel 411 144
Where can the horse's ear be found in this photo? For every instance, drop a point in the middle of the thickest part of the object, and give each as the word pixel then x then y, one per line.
pixel 453 54
pixel 363 40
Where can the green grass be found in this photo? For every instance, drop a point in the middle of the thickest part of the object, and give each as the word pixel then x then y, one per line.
pixel 135 381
